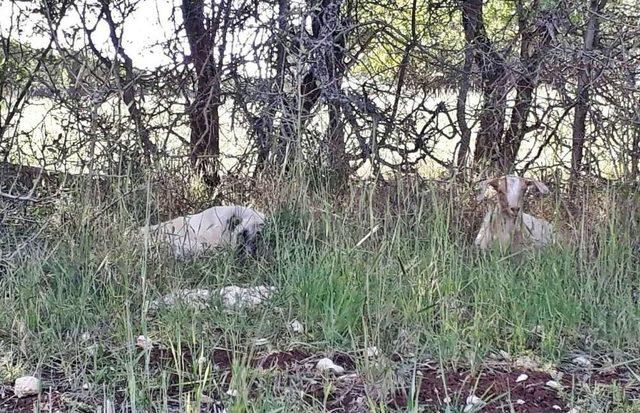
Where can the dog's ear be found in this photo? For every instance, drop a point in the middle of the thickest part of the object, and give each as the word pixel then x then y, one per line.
pixel 233 222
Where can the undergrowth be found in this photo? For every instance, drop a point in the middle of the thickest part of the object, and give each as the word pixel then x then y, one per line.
pixel 387 267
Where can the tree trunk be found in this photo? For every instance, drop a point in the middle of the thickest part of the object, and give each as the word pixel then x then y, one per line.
pixel 583 93
pixel 332 69
pixel 493 73
pixel 263 124
pixel 461 106
pixel 533 44
pixel 204 117
pixel 635 150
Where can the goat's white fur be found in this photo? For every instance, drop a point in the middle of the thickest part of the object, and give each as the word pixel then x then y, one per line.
pixel 505 223
pixel 214 227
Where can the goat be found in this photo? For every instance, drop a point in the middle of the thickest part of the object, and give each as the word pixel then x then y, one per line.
pixel 219 226
pixel 505 223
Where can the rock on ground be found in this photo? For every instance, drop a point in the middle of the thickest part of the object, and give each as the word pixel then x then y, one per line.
pixel 26 386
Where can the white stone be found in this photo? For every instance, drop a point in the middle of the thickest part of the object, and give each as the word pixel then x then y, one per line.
pixel 327 364
pixel 527 362
pixel 474 400
pixel 582 361
pixel 520 402
pixel 296 327
pixel 144 342
pixel 474 403
pixel 554 385
pixel 197 298
pixel 556 407
pixel 231 296
pixel 26 386
pixel 239 297
pixel 522 377
pixel 92 349
pixel 372 352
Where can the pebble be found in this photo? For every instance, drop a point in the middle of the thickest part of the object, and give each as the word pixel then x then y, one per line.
pixel 473 402
pixel 144 342
pixel 522 377
pixel 327 364
pixel 296 327
pixel 372 352
pixel 554 385
pixel 26 386
pixel 582 361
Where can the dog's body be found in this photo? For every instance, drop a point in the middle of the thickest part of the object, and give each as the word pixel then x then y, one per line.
pixel 220 226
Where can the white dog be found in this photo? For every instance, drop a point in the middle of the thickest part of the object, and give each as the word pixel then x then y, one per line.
pixel 219 226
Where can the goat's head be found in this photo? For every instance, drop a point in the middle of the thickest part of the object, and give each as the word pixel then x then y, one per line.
pixel 510 192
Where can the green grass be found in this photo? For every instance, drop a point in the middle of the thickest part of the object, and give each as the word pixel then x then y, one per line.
pixel 391 269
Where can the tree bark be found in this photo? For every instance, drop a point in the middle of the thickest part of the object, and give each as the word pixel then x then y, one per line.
pixel 534 42
pixel 584 86
pixel 333 69
pixel 493 74
pixel 204 116
pixel 635 150
pixel 461 106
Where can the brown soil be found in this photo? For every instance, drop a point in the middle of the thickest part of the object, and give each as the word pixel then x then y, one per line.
pixel 496 387
pixel 495 384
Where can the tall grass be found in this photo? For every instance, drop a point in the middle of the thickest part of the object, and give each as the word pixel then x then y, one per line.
pixel 383 266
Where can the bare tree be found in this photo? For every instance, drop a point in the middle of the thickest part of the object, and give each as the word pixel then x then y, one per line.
pixel 584 85
pixel 203 32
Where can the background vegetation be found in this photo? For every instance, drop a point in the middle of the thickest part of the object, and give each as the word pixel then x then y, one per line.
pixel 360 128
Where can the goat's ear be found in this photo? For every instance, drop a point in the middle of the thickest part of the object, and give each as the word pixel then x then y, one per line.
pixel 539 186
pixel 482 186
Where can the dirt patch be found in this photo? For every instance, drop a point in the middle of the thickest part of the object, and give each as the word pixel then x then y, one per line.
pixel 496 387
pixel 347 394
pixel 496 384
pixel 221 359
pixel 50 401
pixel 281 360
